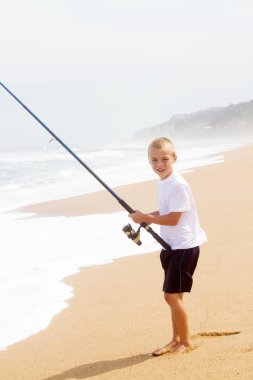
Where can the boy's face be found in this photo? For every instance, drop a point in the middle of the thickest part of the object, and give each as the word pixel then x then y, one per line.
pixel 161 161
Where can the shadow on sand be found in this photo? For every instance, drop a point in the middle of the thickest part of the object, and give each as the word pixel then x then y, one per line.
pixel 97 368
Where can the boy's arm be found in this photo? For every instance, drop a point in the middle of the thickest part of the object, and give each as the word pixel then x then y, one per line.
pixel 154 213
pixel 170 219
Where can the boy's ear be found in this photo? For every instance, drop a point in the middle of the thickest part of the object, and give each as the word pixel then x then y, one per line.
pixel 175 157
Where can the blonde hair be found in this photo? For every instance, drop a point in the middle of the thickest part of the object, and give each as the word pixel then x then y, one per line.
pixel 160 142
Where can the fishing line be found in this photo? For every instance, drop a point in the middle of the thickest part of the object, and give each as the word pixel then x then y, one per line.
pixel 131 234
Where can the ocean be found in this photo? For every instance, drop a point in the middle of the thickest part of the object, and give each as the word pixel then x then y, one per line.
pixel 37 253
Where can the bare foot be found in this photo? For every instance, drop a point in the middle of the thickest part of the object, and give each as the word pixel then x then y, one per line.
pixel 182 348
pixel 170 347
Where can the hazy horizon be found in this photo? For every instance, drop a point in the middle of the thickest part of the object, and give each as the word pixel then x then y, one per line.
pixel 98 71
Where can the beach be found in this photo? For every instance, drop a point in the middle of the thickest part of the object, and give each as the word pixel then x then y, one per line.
pixel 118 315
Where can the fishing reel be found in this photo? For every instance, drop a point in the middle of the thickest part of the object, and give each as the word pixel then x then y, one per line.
pixel 131 234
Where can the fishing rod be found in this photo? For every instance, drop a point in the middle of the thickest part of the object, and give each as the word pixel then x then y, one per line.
pixel 128 230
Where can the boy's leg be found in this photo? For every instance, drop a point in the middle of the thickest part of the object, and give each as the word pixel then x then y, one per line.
pixel 176 335
pixel 171 346
pixel 180 319
pixel 181 341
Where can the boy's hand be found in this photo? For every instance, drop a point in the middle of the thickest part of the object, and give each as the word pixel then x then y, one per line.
pixel 139 217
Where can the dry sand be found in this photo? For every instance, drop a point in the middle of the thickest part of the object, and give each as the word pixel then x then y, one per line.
pixel 118 315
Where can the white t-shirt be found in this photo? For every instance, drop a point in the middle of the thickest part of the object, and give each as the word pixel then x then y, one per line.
pixel 174 195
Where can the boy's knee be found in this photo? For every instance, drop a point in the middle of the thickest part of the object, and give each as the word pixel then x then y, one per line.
pixel 171 298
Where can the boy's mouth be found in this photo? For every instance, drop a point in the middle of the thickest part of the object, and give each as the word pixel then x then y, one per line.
pixel 163 172
pixel 160 170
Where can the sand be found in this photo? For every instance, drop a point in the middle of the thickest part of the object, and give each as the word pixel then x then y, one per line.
pixel 118 315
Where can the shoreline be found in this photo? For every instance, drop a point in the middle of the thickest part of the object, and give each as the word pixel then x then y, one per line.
pixel 105 203
pixel 82 205
pixel 109 331
pixel 79 205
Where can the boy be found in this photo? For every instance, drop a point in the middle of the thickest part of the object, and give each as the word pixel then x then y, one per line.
pixel 180 228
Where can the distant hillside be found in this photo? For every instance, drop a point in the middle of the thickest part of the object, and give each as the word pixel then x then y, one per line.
pixel 233 121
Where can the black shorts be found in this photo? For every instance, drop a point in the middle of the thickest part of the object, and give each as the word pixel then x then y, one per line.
pixel 179 266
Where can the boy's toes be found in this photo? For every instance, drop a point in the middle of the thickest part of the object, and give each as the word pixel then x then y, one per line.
pixel 159 352
pixel 166 349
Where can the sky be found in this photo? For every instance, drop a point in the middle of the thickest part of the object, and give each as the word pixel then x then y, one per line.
pixel 99 70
